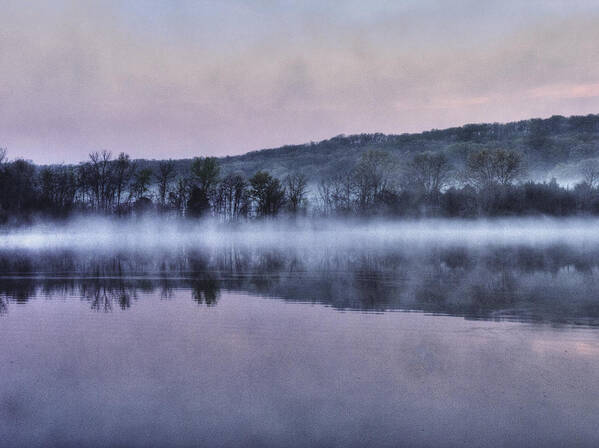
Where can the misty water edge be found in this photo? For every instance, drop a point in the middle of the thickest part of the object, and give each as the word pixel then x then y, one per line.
pixel 157 332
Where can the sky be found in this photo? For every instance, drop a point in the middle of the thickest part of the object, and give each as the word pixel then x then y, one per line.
pixel 182 78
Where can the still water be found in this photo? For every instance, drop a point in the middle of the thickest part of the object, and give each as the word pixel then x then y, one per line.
pixel 435 346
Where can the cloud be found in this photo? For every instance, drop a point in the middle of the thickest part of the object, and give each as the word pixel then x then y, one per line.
pixel 566 91
pixel 180 78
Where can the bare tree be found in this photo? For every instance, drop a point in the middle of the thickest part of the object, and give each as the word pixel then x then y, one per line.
pixel 372 175
pixel 488 167
pixel 99 177
pixel 508 166
pixel 336 195
pixel 58 188
pixel 2 155
pixel 179 197
pixel 164 177
pixel 232 197
pixel 296 190
pixel 123 172
pixel 325 197
pixel 590 173
pixel 343 190
pixel 429 173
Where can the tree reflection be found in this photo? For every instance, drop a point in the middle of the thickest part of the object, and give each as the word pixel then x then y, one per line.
pixel 556 283
pixel 103 293
pixel 205 290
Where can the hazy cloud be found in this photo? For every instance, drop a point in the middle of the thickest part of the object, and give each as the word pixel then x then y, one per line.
pixel 183 78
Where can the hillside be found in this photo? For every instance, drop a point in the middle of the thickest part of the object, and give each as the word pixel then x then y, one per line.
pixel 552 147
pixel 557 147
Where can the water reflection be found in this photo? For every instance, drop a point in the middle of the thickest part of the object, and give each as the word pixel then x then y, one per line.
pixel 222 347
pixel 553 284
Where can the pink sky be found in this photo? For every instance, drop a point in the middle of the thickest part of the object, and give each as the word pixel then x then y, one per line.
pixel 186 78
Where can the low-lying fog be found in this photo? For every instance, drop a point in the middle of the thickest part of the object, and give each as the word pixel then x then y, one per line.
pixel 158 233
pixel 541 269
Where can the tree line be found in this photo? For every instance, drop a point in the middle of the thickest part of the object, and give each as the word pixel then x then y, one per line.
pixel 489 184
pixel 118 186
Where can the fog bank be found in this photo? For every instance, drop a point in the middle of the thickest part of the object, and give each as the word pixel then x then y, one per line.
pixel 104 234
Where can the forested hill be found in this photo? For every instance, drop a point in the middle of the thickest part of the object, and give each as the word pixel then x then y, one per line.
pixel 553 147
pixel 470 171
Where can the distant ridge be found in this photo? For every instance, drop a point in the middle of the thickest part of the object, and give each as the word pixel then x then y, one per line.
pixel 545 143
pixel 554 146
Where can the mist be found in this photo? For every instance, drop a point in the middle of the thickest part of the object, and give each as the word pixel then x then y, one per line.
pixel 152 233
pixel 541 270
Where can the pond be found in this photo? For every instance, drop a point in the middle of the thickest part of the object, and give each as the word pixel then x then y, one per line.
pixel 256 345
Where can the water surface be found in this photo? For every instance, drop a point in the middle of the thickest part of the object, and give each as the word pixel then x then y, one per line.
pixel 251 344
